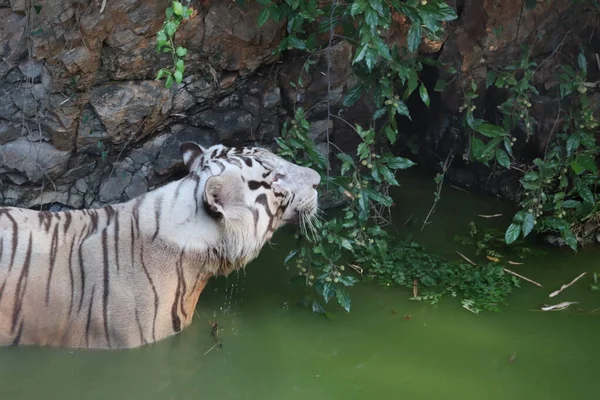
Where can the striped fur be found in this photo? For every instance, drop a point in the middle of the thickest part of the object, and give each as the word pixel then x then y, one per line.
pixel 130 274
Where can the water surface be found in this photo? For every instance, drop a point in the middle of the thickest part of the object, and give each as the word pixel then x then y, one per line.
pixel 275 349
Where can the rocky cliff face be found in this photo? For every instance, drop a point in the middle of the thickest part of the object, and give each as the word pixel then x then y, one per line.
pixel 83 122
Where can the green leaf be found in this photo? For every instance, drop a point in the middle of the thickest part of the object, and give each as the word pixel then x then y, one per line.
pixel 297 43
pixel 569 237
pixel 379 113
pixel 587 162
pixel 343 299
pixel 391 134
pixel 177 8
pixel 389 177
pixel 584 191
pixel 378 198
pixel 318 308
pixel 170 28
pixel 400 163
pixel 489 130
pixel 180 66
pixel 503 158
pixel 160 74
pixel 346 244
pixel 370 59
pixel 371 18
pixel 512 233
pixel 37 8
pixel 440 85
pixel 571 204
pixel 382 48
pixel 577 167
pixel 413 82
pixel 530 4
pixel 401 108
pixel 573 143
pixel 328 291
pixel 507 145
pixel 290 255
pixel 178 76
pixel 582 62
pixel 181 51
pixel 263 17
pixel 447 12
pixel 358 7
pixel 169 82
pixel 528 224
pixel 490 78
pixel 353 95
pixel 424 95
pixel 361 54
pixel 414 37
pixel 477 148
pixel 376 5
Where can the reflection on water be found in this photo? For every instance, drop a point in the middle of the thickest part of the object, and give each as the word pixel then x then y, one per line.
pixel 274 349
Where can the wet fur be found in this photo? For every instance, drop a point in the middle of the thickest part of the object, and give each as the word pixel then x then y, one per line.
pixel 129 274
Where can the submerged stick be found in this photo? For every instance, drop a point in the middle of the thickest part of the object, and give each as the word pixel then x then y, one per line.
pixel 465 257
pixel 559 306
pixel 212 348
pixel 522 277
pixel 490 216
pixel 563 287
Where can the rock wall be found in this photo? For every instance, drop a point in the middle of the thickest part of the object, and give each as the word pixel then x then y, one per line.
pixel 489 35
pixel 84 123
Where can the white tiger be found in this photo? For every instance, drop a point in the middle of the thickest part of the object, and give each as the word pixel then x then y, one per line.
pixel 129 274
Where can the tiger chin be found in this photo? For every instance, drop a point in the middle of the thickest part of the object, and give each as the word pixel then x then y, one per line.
pixel 130 274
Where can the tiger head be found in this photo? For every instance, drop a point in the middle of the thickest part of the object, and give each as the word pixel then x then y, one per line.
pixel 250 192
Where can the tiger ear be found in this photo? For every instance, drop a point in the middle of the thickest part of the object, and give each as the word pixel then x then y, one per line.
pixel 190 152
pixel 223 197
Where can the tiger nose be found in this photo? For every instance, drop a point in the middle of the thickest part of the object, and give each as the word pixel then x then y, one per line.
pixel 317 179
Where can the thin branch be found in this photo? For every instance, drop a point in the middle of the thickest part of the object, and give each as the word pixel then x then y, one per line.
pixel 522 277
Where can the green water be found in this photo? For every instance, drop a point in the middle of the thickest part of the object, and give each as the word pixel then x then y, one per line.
pixel 274 349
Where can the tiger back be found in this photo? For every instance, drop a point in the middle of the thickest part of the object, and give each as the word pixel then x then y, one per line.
pixel 129 274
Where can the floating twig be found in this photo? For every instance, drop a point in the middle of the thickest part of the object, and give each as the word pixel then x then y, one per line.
pixel 522 277
pixel 212 348
pixel 459 188
pixel 563 287
pixel 515 263
pixel 559 306
pixel 489 216
pixel 465 257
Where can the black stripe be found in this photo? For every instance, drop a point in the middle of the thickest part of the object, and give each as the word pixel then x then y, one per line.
pixel 174 316
pixel 17 338
pixel 153 290
pixel 15 236
pixel 184 285
pixel 117 239
pixel 89 318
pixel 71 278
pixel 106 285
pixel 53 251
pixel 254 185
pixel 67 222
pixel 81 267
pixel 137 319
pixel 157 207
pixel 21 286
